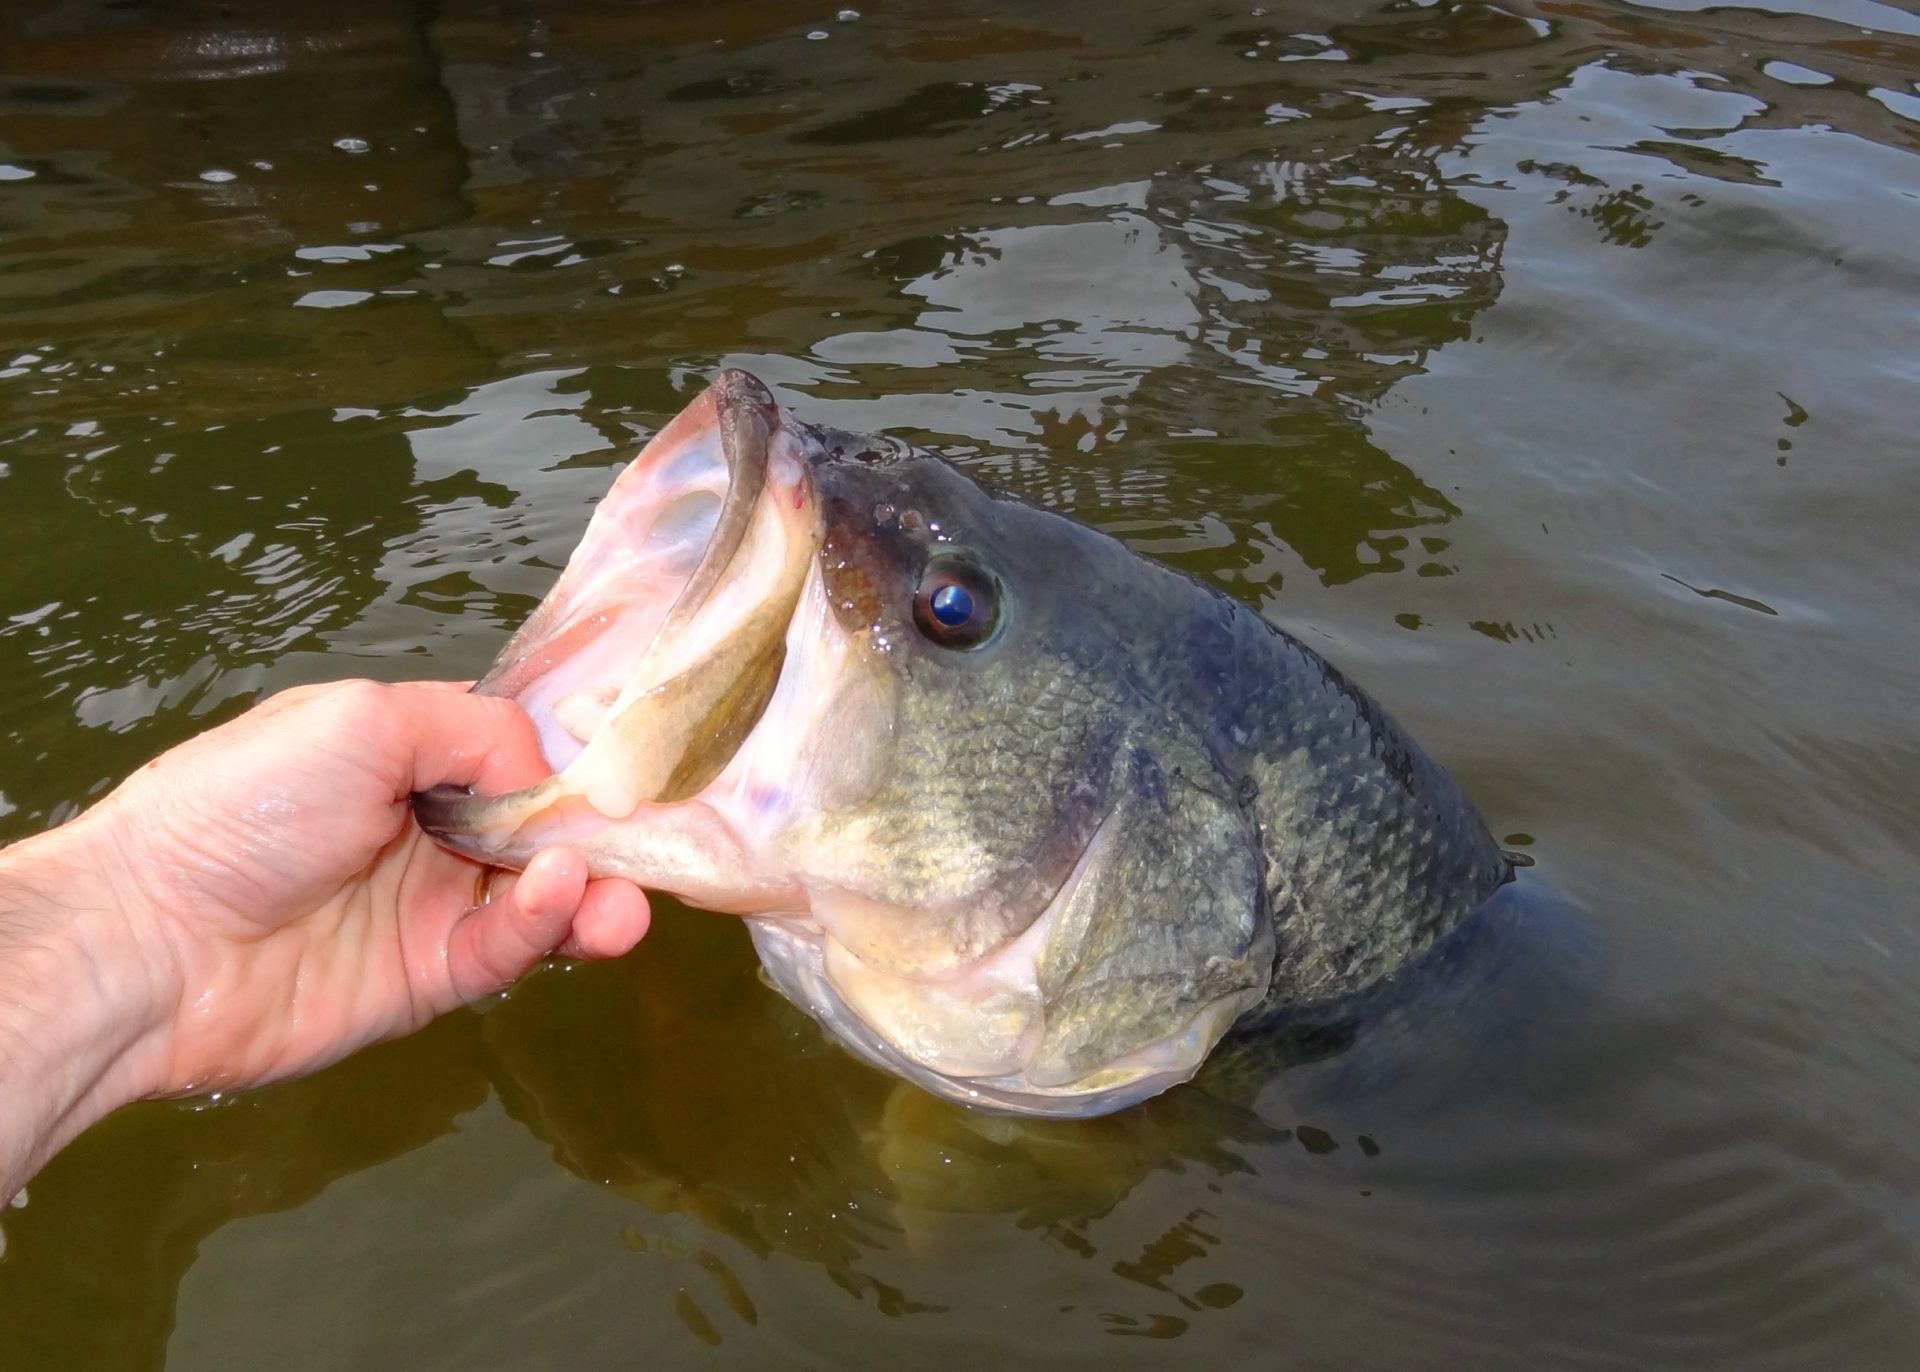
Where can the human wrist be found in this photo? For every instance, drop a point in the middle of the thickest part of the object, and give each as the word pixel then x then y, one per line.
pixel 80 996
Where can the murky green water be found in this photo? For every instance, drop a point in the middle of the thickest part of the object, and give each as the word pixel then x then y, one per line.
pixel 1555 369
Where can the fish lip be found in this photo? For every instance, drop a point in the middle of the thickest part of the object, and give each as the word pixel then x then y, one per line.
pixel 437 811
pixel 748 418
pixel 738 387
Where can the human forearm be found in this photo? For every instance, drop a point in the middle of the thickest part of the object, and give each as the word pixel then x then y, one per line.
pixel 76 1000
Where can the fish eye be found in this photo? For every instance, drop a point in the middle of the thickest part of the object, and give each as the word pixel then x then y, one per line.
pixel 957 604
pixel 952 605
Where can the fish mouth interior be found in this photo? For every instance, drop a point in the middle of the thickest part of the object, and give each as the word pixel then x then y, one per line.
pixel 657 649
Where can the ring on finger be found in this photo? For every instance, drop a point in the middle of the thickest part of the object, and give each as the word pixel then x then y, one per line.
pixel 483 884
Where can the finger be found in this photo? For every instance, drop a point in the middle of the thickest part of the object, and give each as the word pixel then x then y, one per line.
pixel 495 944
pixel 613 917
pixel 453 686
pixel 486 742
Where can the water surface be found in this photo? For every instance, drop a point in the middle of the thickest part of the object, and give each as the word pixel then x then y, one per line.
pixel 1553 368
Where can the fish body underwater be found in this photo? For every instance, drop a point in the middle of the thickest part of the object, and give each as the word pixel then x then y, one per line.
pixel 1015 813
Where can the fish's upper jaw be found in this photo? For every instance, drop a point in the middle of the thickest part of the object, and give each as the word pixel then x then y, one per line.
pixel 829 445
pixel 736 389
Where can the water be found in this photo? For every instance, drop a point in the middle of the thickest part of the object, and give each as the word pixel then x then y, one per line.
pixel 1552 368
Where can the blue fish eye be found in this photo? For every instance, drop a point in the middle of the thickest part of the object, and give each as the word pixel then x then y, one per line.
pixel 957 603
pixel 952 605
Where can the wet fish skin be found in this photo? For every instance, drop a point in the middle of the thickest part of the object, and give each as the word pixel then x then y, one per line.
pixel 1271 808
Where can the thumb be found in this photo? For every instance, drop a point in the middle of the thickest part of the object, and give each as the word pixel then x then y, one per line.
pixel 486 742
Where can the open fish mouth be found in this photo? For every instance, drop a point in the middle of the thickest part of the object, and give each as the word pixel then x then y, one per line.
pixel 656 652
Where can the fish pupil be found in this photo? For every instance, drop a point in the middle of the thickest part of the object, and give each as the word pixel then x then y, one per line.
pixel 951 605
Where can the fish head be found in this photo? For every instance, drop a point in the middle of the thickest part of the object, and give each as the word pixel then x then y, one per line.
pixel 906 726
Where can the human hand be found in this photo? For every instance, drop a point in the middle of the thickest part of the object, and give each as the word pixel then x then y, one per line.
pixel 258 902
pixel 281 873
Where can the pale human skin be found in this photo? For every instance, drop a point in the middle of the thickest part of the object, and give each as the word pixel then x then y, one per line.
pixel 258 903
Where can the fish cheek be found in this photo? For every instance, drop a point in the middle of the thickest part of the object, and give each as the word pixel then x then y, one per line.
pixel 856 738
pixel 1164 934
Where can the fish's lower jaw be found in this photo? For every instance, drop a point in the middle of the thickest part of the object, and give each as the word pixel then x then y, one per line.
pixel 793 954
pixel 485 828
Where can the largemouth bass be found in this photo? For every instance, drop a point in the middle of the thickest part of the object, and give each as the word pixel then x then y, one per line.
pixel 1014 813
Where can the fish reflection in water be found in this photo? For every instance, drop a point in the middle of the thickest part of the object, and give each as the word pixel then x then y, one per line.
pixel 729 1108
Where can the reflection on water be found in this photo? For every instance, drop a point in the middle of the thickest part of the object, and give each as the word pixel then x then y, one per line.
pixel 1550 365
